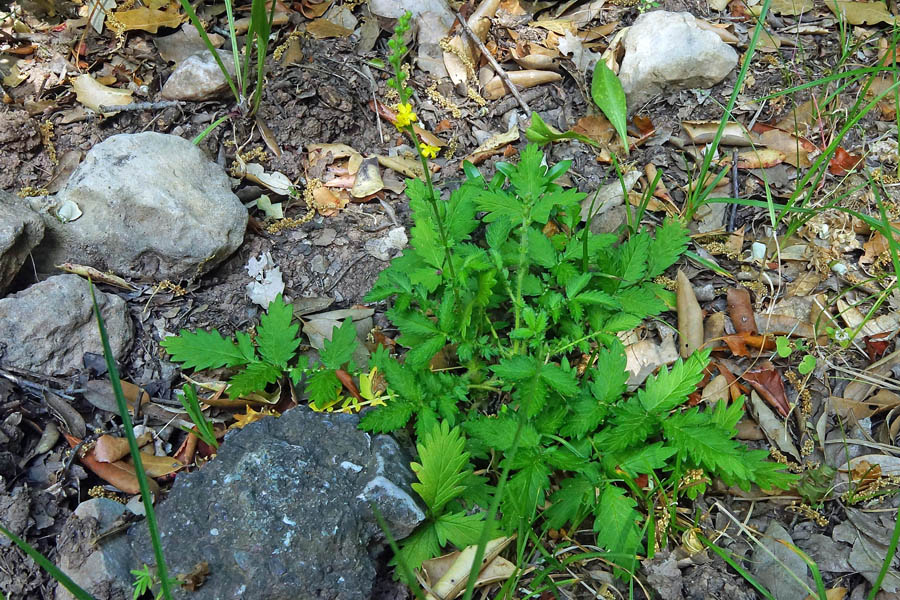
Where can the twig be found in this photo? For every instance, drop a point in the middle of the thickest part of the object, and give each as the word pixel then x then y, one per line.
pixel 139 106
pixel 35 388
pixel 490 58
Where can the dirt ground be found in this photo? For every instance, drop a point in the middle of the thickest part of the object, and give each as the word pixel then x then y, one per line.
pixel 323 99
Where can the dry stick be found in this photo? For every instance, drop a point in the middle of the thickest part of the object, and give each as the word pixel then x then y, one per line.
pixel 490 58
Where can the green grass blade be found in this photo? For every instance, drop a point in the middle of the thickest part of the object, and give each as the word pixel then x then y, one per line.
pixel 48 566
pixel 608 95
pixel 208 130
pixel 121 404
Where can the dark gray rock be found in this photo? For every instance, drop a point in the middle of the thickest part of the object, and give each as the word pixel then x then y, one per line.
pixel 283 512
pixel 20 231
pixel 50 325
pixel 154 206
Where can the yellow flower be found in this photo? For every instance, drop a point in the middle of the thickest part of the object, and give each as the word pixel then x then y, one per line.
pixel 405 115
pixel 429 151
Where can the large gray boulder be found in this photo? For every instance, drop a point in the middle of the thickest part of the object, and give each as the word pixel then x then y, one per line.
pixel 154 207
pixel 49 326
pixel 668 52
pixel 283 513
pixel 20 231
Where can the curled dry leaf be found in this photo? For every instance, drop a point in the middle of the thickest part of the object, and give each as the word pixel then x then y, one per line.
pixel 93 95
pixel 494 144
pixel 773 427
pixel 96 275
pixel 495 88
pixel 328 202
pixel 452 577
pixel 878 375
pixel 690 316
pixel 704 132
pixel 766 380
pixel 322 29
pixel 368 179
pixel 109 448
pixel 843 162
pixel 150 20
pixel 741 311
pixel 861 13
pixel 761 158
pixel 646 356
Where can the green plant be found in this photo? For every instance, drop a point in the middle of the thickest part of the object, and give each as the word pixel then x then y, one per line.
pixel 445 479
pixel 146 497
pixel 608 95
pixel 518 308
pixel 144 581
pixel 256 42
pixel 191 406
pixel 785 346
pixel 264 360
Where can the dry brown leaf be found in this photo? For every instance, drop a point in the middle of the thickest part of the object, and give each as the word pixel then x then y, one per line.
pixel 761 158
pixel 690 316
pixel 329 203
pixel 157 466
pixel 861 13
pixel 791 8
pixel 766 380
pixel 119 474
pixel 146 19
pixel 109 448
pixel 795 149
pixel 495 88
pixel 741 310
pixel 322 29
pixel 94 95
pixel 368 179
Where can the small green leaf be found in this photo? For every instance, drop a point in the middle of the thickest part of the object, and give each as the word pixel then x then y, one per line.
pixel 783 346
pixel 276 337
pixel 339 349
pixel 203 350
pixel 807 365
pixel 607 92
pixel 540 133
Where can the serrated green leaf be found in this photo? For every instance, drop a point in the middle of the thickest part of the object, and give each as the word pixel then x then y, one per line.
pixel 630 425
pixel 671 387
pixel 645 459
pixel 540 250
pixel 203 350
pixel 339 350
pixel 391 417
pixel 616 522
pixel 419 547
pixel 254 378
pixel 570 503
pixel 442 467
pixel 459 529
pixel 517 368
pixel 276 337
pixel 499 205
pixel 560 381
pixel 323 388
pixel 608 95
pixel 633 254
pixel 670 242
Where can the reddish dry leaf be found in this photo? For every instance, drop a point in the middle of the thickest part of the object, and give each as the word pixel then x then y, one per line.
pixel 735 388
pixel 767 381
pixel 795 149
pixel 188 448
pixel 347 381
pixel 843 162
pixel 738 343
pixel 877 345
pixel 644 124
pixel 741 311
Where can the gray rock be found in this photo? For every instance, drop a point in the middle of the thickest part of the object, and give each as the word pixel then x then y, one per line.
pixel 154 207
pixel 49 326
pixel 283 512
pixel 20 231
pixel 102 570
pixel 324 237
pixel 666 52
pixel 198 77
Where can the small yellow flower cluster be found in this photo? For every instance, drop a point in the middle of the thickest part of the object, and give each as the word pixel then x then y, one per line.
pixel 405 115
pixel 429 151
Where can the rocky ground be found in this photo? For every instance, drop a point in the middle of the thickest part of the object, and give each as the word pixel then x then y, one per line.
pixel 191 244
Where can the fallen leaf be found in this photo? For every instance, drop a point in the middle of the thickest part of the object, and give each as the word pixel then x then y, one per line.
pixel 766 380
pixel 761 158
pixel 690 317
pixel 495 88
pixel 93 95
pixel 119 474
pixel 323 28
pixel 795 149
pixel 861 13
pixel 741 311
pixel 704 132
pixel 368 179
pixel 149 20
pixel 773 427
pixel 842 162
pixel 791 8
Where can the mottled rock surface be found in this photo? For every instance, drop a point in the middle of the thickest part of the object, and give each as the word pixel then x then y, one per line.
pixel 198 77
pixel 154 207
pixel 283 512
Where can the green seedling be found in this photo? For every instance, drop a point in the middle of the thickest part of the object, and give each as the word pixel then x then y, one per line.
pixel 608 95
pixel 144 581
pixel 204 428
pixel 785 347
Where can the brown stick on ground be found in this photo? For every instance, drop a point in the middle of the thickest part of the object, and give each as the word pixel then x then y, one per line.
pixel 497 68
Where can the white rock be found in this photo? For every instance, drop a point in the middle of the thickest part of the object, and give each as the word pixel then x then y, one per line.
pixel 199 77
pixel 154 206
pixel 666 52
pixel 48 327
